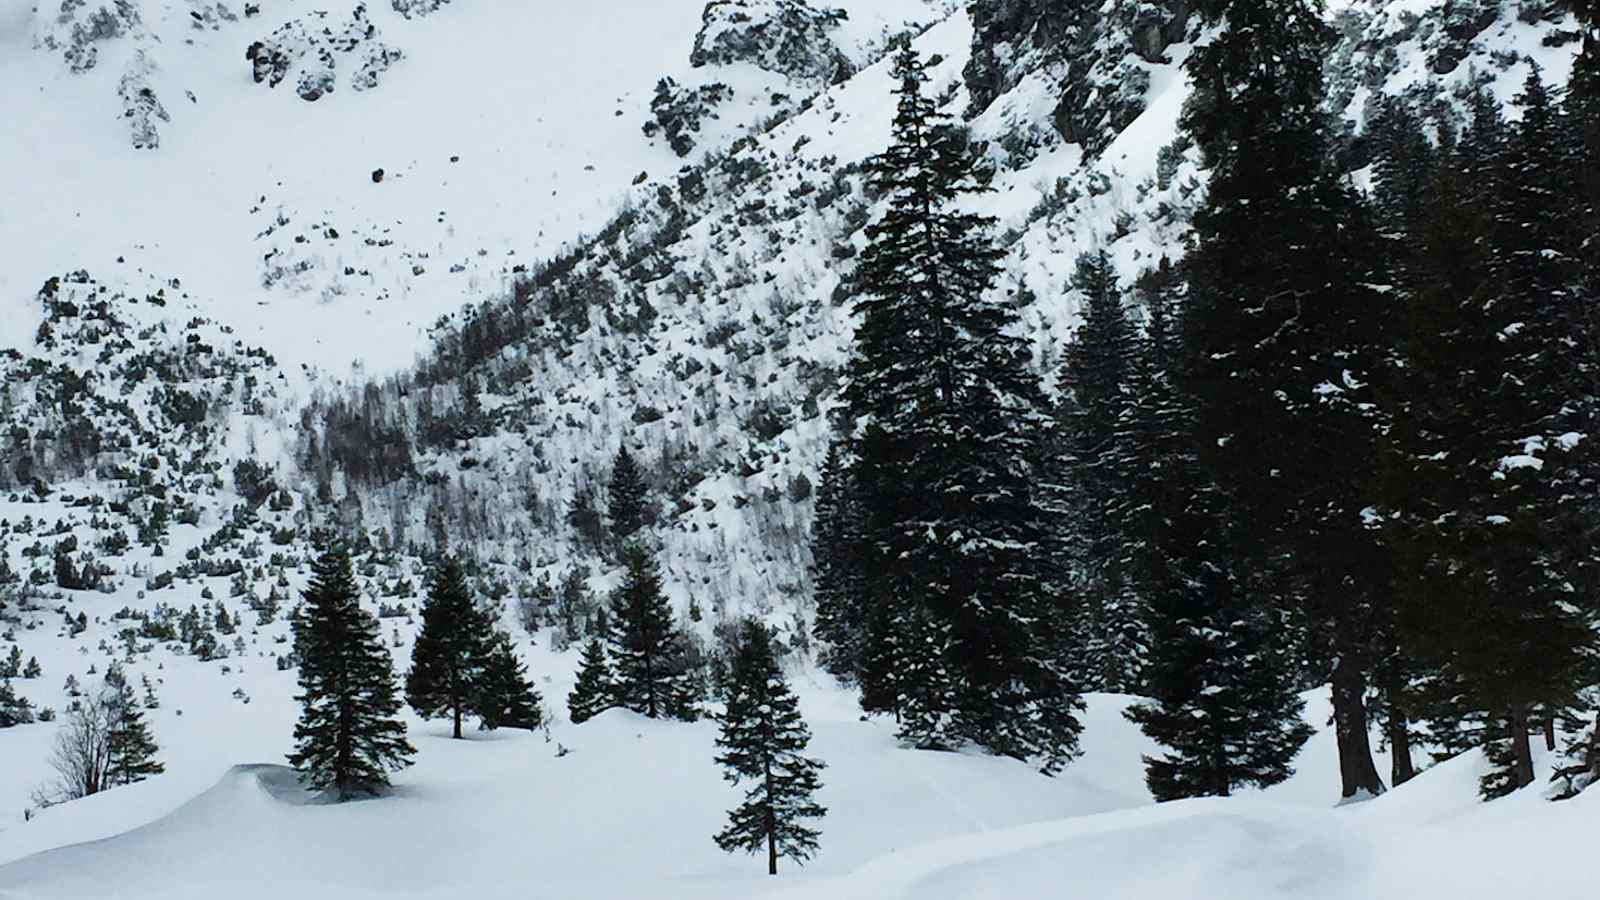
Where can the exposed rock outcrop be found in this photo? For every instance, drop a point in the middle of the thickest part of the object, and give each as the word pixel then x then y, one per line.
pixel 314 48
pixel 787 37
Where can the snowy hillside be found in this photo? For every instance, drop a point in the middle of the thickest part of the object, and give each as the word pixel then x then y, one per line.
pixel 415 270
pixel 151 149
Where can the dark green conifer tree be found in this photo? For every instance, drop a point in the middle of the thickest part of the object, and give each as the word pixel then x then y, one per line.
pixel 595 690
pixel 1283 339
pixel 763 740
pixel 626 496
pixel 1223 702
pixel 647 653
pixel 955 422
pixel 14 710
pixel 503 697
pixel 452 648
pixel 1518 643
pixel 348 739
pixel 1220 679
pixel 130 748
pixel 839 566
pixel 1091 420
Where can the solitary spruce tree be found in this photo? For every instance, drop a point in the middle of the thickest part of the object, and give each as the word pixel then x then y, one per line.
pixel 348 739
pixel 130 748
pixel 502 696
pixel 762 740
pixel 626 496
pixel 448 658
pixel 595 690
pixel 646 649
pixel 947 466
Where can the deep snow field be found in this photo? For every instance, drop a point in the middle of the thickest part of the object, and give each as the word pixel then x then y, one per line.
pixel 628 812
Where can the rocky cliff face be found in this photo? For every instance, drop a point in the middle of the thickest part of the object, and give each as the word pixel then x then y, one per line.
pixel 1096 56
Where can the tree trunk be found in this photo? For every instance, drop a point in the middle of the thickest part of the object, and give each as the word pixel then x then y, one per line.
pixel 772 846
pixel 1401 769
pixel 1550 729
pixel 458 723
pixel 1357 772
pixel 1593 759
pixel 771 812
pixel 1521 749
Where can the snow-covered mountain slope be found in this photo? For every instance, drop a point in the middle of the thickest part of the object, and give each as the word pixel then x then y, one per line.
pixel 503 131
pixel 698 315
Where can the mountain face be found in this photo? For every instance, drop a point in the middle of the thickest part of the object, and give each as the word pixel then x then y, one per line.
pixel 702 320
pixel 419 268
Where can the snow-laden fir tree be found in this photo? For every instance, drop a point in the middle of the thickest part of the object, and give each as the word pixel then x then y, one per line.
pixel 1283 331
pixel 130 748
pixel 1220 679
pixel 1223 701
pixel 595 690
pixel 348 739
pixel 1511 554
pixel 647 651
pixel 762 741
pixel 1582 108
pixel 502 696
pixel 448 658
pixel 14 709
pixel 1405 195
pixel 839 563
pixel 1091 417
pixel 626 496
pixel 953 424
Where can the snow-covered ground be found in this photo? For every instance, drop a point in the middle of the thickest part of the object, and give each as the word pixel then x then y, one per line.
pixel 629 811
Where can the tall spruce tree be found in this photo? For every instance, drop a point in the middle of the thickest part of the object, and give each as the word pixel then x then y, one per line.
pixel 840 567
pixel 130 748
pixel 1520 644
pixel 595 689
pixel 647 653
pixel 502 695
pixel 1091 420
pixel 954 424
pixel 1223 700
pixel 348 739
pixel 626 496
pixel 1220 680
pixel 452 648
pixel 763 740
pixel 1283 336
pixel 1412 388
pixel 1582 108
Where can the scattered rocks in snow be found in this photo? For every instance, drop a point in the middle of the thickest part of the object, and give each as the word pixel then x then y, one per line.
pixel 312 49
pixel 205 15
pixel 80 25
pixel 679 111
pixel 140 105
pixel 417 8
pixel 787 37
